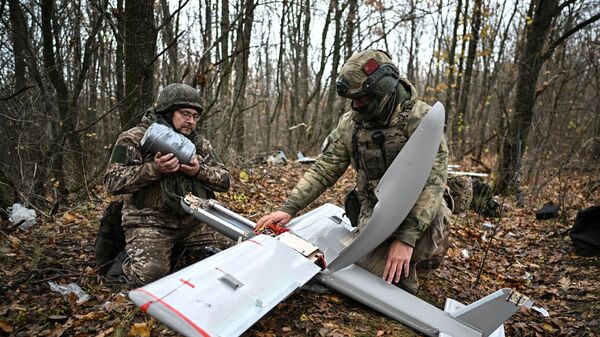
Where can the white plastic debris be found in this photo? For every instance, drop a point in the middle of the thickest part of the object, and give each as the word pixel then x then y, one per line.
pixel 277 159
pixel 488 224
pixel 18 213
pixel 465 253
pixel 73 288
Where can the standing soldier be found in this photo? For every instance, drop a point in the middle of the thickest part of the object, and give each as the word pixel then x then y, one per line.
pixel 151 184
pixel 385 112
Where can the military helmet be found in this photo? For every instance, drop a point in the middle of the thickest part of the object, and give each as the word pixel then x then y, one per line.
pixel 175 96
pixel 369 72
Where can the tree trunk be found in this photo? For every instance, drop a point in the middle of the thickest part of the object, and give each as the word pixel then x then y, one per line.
pixel 466 91
pixel 8 193
pixel 451 66
pixel 169 33
pixel 18 35
pixel 119 59
pixel 140 49
pixel 330 117
pixel 530 64
pixel 241 72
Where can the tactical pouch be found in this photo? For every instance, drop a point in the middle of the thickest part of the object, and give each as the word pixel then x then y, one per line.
pixel 390 155
pixel 352 207
pixel 173 188
pixel 374 163
pixel 166 193
pixel 110 239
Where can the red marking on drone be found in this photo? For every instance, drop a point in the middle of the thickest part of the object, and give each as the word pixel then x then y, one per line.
pixel 187 283
pixel 253 241
pixel 175 311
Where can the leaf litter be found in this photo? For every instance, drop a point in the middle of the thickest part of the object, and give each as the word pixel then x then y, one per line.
pixel 533 257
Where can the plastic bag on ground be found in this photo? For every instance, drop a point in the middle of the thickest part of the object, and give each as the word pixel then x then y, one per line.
pixel 82 296
pixel 18 213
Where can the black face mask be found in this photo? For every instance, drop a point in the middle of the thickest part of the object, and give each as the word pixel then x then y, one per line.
pixel 376 109
pixel 366 109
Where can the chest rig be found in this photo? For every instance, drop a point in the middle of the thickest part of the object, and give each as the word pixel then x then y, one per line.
pixel 376 147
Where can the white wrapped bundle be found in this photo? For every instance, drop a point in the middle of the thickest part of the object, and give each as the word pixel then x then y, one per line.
pixel 163 139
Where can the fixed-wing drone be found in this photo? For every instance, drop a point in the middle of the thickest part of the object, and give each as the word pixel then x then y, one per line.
pixel 225 294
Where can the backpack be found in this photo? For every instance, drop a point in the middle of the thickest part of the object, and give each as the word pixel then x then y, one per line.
pixel 585 233
pixel 110 239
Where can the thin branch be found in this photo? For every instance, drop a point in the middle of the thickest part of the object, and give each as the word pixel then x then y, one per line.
pixel 567 34
pixel 166 21
pixel 175 40
pixel 6 98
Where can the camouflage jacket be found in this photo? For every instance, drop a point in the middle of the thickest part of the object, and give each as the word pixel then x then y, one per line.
pixel 337 154
pixel 131 169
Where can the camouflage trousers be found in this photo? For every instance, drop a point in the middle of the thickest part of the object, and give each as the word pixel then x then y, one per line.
pixel 151 245
pixel 433 243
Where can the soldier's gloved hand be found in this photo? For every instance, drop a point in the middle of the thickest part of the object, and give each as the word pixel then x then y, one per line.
pixel 276 218
pixel 166 164
pixel 398 261
pixel 191 168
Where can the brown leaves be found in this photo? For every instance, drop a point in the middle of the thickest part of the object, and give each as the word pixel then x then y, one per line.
pixel 140 330
pixel 531 256
pixel 5 326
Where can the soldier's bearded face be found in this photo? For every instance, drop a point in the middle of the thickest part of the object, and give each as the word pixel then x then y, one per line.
pixel 184 120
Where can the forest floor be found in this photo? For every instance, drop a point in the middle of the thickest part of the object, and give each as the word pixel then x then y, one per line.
pixel 533 257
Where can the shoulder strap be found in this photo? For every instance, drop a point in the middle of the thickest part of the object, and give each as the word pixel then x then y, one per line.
pixel 357 125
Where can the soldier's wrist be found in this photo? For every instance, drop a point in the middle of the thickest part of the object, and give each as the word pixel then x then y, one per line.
pixel 289 209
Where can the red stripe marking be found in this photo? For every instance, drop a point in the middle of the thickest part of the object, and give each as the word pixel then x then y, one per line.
pixel 145 307
pixel 253 241
pixel 187 283
pixel 175 311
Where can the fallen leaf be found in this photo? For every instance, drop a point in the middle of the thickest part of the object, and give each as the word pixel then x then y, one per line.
pixel 106 332
pixel 6 327
pixel 379 333
pixel 244 176
pixel 89 316
pixel 139 330
pixel 69 218
pixel 548 327
pixel 14 241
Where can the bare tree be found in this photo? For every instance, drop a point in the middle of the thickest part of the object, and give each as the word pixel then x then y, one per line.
pixel 467 77
pixel 530 64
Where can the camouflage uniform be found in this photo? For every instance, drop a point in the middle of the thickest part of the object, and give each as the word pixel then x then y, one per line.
pixel 152 231
pixel 425 227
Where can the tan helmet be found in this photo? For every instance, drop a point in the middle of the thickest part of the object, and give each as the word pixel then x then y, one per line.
pixel 369 72
pixel 177 95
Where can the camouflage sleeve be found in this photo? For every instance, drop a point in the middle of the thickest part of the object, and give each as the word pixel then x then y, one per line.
pixel 329 167
pixel 127 172
pixel 428 203
pixel 213 173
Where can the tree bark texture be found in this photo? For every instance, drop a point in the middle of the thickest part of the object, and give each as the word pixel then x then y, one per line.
pixel 140 49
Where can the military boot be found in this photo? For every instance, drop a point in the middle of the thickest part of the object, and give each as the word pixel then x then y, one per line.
pixel 115 273
pixel 411 282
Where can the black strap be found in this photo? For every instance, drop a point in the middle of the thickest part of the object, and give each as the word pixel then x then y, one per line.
pixel 357 125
